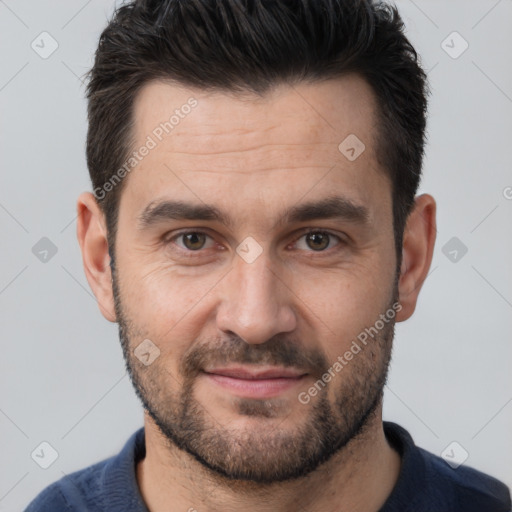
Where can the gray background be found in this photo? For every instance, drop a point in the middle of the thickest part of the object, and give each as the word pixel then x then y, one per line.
pixel 61 368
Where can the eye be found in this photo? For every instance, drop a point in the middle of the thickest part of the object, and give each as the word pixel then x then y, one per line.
pixel 318 241
pixel 191 240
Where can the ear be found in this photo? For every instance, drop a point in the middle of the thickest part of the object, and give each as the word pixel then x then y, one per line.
pixel 417 249
pixel 92 237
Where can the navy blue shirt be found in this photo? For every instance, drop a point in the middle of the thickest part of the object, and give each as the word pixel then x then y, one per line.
pixel 426 483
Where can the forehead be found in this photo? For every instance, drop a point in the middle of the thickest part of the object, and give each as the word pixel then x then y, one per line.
pixel 278 147
pixel 303 114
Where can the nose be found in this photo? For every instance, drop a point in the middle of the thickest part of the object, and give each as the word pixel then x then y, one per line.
pixel 255 303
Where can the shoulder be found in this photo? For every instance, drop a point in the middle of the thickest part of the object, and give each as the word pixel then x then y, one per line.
pixel 428 483
pixel 469 488
pixel 77 491
pixel 106 485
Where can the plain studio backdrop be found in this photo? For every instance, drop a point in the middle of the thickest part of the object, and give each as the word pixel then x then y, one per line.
pixel 63 380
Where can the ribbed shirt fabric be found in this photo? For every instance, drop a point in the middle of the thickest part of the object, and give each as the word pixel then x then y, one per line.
pixel 426 483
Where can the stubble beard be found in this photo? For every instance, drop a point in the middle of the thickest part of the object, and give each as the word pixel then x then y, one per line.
pixel 264 453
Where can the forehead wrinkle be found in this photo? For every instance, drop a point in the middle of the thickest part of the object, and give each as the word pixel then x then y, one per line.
pixel 256 171
pixel 320 146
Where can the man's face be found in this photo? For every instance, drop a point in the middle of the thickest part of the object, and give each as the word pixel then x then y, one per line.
pixel 254 292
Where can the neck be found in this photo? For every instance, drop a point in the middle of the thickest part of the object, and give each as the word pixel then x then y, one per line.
pixel 358 478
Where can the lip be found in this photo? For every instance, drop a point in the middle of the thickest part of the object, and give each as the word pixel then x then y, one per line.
pixel 240 372
pixel 251 383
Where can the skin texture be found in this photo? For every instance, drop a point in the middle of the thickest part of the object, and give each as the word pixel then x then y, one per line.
pixel 300 304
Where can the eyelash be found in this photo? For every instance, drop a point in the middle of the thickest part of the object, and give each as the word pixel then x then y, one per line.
pixel 195 254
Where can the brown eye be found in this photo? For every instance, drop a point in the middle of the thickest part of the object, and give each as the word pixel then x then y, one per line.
pixel 318 241
pixel 190 245
pixel 193 240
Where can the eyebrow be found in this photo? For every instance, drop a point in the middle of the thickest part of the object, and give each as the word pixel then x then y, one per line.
pixel 333 207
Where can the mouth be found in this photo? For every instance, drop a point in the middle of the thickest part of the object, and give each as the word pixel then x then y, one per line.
pixel 255 382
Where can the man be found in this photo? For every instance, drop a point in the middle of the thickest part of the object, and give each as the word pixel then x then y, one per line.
pixel 255 233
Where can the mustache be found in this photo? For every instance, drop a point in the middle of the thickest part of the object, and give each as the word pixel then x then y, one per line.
pixel 277 351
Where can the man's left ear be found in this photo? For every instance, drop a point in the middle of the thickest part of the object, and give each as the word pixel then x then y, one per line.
pixel 417 250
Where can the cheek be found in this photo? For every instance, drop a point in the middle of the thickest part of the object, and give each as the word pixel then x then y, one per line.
pixel 168 308
pixel 343 305
pixel 158 289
